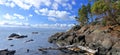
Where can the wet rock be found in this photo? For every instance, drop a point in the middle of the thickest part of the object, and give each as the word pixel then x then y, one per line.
pixel 55 37
pixel 10 39
pixel 14 35
pixel 11 45
pixel 28 50
pixel 29 40
pixel 34 32
pixel 7 52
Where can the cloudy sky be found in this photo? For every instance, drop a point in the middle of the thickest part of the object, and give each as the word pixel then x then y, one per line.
pixel 39 13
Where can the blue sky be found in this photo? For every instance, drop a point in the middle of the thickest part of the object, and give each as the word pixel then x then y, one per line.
pixel 39 13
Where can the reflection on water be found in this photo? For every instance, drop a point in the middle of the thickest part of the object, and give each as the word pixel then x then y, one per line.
pixel 21 46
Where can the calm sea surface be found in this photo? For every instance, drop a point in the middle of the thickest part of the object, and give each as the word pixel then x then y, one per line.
pixel 21 46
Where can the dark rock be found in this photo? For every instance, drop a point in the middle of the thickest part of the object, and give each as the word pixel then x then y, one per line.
pixel 22 36
pixel 55 37
pixel 69 40
pixel 7 52
pixel 11 45
pixel 83 29
pixel 34 32
pixel 29 40
pixel 10 39
pixel 106 40
pixel 14 35
pixel 102 51
pixel 75 28
pixel 79 38
pixel 65 35
pixel 28 50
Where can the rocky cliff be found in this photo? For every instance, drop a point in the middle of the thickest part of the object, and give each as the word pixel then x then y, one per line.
pixel 106 39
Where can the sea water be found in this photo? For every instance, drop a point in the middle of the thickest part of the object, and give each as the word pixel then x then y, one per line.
pixel 21 46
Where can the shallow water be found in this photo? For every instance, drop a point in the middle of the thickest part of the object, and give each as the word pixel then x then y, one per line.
pixel 21 46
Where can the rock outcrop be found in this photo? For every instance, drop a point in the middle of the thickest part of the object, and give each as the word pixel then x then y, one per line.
pixel 105 39
pixel 7 52
pixel 17 36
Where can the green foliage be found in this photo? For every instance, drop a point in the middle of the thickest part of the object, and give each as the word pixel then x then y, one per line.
pixel 99 7
pixel 107 10
pixel 83 15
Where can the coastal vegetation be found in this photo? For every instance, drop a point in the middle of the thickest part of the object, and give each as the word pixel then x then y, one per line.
pixel 99 29
pixel 102 12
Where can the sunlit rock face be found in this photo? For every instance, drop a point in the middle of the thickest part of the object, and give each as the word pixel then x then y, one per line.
pixel 105 39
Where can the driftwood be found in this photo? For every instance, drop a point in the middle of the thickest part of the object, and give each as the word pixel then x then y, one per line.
pixel 57 48
pixel 72 48
pixel 77 47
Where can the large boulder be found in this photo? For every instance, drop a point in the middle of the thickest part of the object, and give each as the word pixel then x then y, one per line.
pixel 79 38
pixel 7 52
pixel 116 49
pixel 14 35
pixel 107 43
pixel 69 40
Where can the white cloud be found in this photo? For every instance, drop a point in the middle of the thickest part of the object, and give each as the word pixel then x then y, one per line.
pixel 12 17
pixel 8 16
pixel 61 1
pixel 52 19
pixel 55 13
pixel 43 11
pixel 26 4
pixel 30 15
pixel 22 24
pixel 2 1
pixel 69 6
pixel 10 4
pixel 55 5
pixel 73 2
pixel 18 16
pixel 56 25
pixel 22 4
pixel 38 3
pixel 37 12
pixel 58 1
pixel 64 4
pixel 13 23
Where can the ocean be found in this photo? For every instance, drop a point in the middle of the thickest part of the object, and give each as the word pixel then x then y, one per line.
pixel 40 40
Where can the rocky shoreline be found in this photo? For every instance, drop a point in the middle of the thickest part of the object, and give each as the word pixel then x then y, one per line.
pixel 105 39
